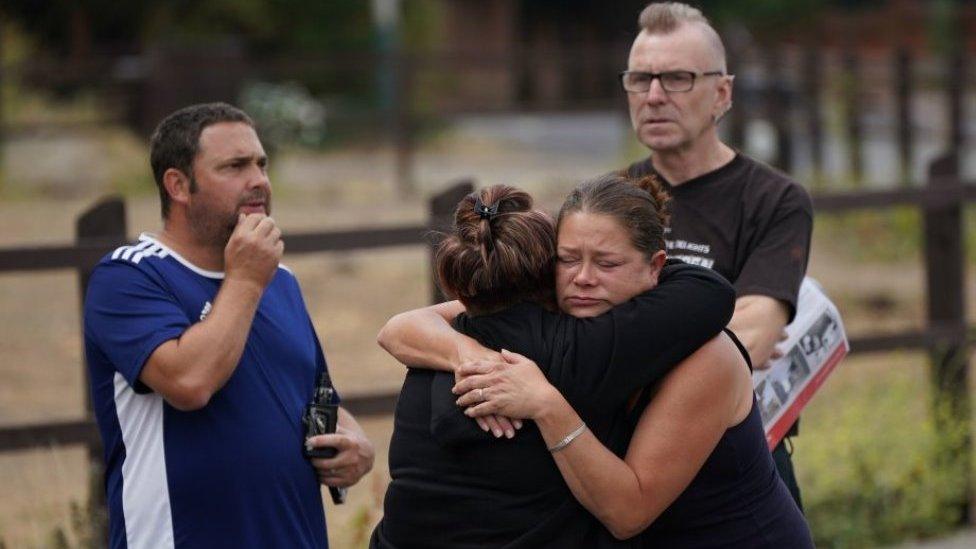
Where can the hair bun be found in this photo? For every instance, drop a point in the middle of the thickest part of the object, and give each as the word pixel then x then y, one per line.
pixel 480 210
pixel 661 197
pixel 501 251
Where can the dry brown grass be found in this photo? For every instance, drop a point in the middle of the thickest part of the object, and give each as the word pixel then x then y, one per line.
pixel 349 296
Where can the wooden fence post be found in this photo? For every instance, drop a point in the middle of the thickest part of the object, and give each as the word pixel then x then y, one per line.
pixel 403 121
pixel 852 113
pixel 740 99
pixel 780 110
pixel 955 87
pixel 903 99
pixel 813 80
pixel 1 105
pixel 944 265
pixel 104 220
pixel 442 207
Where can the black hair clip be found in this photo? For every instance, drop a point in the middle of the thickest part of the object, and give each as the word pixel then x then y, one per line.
pixel 485 212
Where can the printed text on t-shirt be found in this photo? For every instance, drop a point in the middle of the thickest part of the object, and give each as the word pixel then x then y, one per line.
pixel 693 253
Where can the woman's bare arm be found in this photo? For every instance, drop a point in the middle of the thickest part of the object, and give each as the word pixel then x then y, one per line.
pixel 694 406
pixel 424 338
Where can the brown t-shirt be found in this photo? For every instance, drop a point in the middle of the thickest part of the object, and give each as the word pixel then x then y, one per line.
pixel 746 220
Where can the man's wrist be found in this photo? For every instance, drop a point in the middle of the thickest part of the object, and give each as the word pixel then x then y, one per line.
pixel 242 288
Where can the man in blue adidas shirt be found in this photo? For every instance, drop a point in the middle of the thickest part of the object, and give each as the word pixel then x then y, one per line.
pixel 202 357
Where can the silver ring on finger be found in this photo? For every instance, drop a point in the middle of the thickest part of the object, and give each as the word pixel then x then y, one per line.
pixel 481 394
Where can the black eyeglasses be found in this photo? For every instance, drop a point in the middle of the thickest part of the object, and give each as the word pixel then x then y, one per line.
pixel 671 81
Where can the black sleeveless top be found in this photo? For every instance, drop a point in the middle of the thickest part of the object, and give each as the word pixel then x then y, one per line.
pixel 454 486
pixel 737 499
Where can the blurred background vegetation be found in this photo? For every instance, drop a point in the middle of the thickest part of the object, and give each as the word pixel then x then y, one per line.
pixel 370 107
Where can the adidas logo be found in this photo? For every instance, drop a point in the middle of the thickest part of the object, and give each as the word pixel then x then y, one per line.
pixel 136 252
pixel 206 310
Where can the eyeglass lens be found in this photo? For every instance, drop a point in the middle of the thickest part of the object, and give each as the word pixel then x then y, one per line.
pixel 675 81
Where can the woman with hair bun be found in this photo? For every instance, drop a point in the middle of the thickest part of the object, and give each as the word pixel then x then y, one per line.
pixel 697 472
pixel 454 484
pixel 697 469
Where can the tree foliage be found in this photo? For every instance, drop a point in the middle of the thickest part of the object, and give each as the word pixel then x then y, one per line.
pixel 72 27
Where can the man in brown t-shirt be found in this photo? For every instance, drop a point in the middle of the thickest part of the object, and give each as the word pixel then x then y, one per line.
pixel 731 213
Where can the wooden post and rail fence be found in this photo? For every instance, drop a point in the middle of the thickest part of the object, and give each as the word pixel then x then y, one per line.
pixel 946 335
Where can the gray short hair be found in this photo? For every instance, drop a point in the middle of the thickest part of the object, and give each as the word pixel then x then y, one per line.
pixel 666 17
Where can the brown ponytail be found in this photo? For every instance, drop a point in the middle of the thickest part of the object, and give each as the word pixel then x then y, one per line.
pixel 500 255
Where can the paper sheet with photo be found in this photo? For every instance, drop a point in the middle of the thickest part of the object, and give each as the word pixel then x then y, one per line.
pixel 816 343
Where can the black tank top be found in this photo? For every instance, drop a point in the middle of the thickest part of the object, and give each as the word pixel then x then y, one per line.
pixel 737 499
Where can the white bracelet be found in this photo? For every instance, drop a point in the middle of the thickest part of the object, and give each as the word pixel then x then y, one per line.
pixel 568 440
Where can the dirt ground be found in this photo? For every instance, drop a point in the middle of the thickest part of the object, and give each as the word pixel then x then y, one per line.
pixel 349 295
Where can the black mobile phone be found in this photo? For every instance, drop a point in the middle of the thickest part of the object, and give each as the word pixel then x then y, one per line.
pixel 321 418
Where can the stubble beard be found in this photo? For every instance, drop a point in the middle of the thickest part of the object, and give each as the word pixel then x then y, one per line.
pixel 209 227
pixel 212 227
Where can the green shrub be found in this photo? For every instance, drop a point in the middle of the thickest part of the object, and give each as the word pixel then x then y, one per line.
pixel 874 468
pixel 889 235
